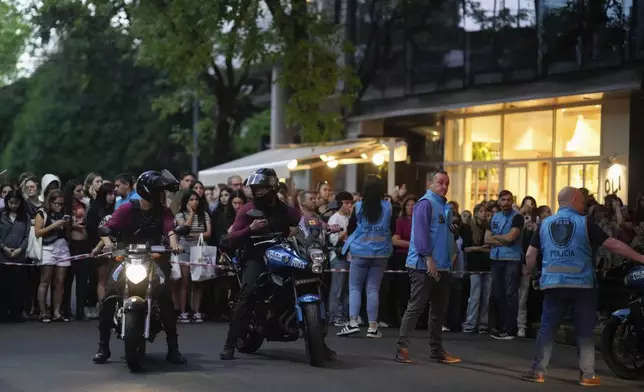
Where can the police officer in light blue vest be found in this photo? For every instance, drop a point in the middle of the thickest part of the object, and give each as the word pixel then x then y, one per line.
pixel 430 257
pixel 504 238
pixel 567 241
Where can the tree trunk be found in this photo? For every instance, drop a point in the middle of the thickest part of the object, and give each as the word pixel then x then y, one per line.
pixel 222 148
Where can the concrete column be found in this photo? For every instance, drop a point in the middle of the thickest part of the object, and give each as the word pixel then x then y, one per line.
pixel 391 166
pixel 279 133
pixel 351 178
pixel 301 179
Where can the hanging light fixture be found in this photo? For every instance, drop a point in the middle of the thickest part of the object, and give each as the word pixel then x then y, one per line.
pixel 378 159
pixel 292 164
pixel 332 164
pixel 582 135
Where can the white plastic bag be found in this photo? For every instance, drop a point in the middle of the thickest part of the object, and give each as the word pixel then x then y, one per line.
pixel 175 270
pixel 34 244
pixel 203 261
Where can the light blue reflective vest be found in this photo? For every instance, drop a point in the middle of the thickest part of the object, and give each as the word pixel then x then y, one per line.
pixel 502 224
pixel 566 250
pixel 371 240
pixel 440 236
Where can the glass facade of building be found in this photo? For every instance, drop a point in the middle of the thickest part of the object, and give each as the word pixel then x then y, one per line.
pixel 529 150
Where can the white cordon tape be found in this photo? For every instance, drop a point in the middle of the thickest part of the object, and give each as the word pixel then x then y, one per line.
pixel 87 256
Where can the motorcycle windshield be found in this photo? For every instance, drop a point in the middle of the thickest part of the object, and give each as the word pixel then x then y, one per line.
pixel 311 230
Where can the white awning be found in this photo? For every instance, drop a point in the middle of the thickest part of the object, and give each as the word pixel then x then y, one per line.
pixel 302 157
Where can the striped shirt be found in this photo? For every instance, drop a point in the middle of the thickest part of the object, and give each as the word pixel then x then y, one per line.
pixel 196 228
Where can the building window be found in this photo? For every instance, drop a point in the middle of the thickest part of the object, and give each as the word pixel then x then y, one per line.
pixel 578 132
pixel 528 135
pixel 528 179
pixel 483 138
pixel 579 175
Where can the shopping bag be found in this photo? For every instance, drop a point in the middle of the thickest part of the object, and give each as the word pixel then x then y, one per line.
pixel 175 268
pixel 34 244
pixel 203 261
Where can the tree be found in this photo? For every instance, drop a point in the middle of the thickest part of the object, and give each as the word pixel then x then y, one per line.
pixel 88 107
pixel 209 50
pixel 14 31
pixel 255 130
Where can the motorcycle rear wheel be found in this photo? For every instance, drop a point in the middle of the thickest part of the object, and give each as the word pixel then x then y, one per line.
pixel 612 327
pixel 314 334
pixel 251 342
pixel 134 341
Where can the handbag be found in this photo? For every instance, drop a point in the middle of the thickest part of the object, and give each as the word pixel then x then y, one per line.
pixel 203 261
pixel 34 244
pixel 175 267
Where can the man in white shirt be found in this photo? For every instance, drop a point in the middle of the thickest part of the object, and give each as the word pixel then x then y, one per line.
pixel 339 291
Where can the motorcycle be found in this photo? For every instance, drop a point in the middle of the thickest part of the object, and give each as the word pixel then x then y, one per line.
pixel 138 281
pixel 289 303
pixel 622 339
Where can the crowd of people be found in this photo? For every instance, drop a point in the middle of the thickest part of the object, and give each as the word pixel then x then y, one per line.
pixel 483 254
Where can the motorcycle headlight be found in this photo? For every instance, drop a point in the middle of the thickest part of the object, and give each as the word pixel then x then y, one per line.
pixel 317 256
pixel 317 268
pixel 136 273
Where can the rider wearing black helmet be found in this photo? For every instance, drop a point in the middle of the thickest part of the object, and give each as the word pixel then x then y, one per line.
pixel 144 221
pixel 278 218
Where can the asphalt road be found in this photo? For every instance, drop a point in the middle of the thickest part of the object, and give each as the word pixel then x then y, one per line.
pixel 53 358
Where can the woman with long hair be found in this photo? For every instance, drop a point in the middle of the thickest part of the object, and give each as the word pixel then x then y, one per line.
pixel 477 259
pixel 99 209
pixel 193 213
pixel 222 202
pixel 51 226
pixel 92 183
pixel 226 287
pixel 14 233
pixel 79 244
pixel 368 248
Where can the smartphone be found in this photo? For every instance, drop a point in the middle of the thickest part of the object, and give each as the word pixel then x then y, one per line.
pixel 67 218
pixel 528 218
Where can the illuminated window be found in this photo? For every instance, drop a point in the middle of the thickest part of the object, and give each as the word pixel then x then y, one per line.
pixel 528 135
pixel 482 139
pixel 578 132
pixel 579 175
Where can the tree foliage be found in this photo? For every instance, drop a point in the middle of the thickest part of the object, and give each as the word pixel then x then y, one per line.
pixel 88 107
pixel 14 31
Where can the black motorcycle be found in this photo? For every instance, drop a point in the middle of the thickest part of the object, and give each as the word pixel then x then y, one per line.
pixel 289 302
pixel 139 282
pixel 622 340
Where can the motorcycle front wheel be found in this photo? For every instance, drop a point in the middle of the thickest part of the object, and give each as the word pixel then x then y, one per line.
pixel 314 334
pixel 134 340
pixel 618 346
pixel 251 342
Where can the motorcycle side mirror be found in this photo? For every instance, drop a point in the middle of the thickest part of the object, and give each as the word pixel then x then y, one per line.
pixel 333 206
pixel 182 230
pixel 257 214
pixel 104 231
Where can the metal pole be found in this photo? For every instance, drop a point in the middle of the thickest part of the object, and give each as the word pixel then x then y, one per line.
pixel 195 136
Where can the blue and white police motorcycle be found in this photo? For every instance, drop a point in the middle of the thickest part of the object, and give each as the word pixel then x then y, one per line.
pixel 289 295
pixel 622 341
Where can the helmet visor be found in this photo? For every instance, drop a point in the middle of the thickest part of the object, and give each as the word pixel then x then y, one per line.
pixel 168 181
pixel 261 179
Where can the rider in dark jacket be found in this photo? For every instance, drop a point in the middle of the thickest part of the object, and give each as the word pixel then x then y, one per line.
pixel 138 222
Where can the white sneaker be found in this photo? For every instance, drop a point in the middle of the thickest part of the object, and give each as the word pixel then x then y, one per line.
pixel 373 333
pixel 360 322
pixel 349 329
pixel 445 329
pixel 183 318
pixel 521 333
pixel 197 319
pixel 382 324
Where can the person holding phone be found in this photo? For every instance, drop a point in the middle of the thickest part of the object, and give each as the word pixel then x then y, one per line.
pixel 51 226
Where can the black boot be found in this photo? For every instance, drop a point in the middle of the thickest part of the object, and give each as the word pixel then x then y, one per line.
pixel 330 354
pixel 174 356
pixel 228 353
pixel 103 353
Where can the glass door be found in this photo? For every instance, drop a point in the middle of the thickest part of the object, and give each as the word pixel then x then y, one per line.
pixel 516 181
pixel 484 184
pixel 579 175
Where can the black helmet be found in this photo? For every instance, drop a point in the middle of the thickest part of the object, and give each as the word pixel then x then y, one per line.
pixel 152 183
pixel 263 183
pixel 264 177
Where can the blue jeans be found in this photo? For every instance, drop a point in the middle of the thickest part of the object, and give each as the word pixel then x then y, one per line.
pixel 339 291
pixel 555 303
pixel 369 272
pixel 478 305
pixel 506 276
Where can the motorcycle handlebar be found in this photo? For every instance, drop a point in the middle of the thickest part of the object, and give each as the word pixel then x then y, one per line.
pixel 265 237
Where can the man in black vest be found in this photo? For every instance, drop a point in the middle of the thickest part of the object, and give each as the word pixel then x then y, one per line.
pixel 139 222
